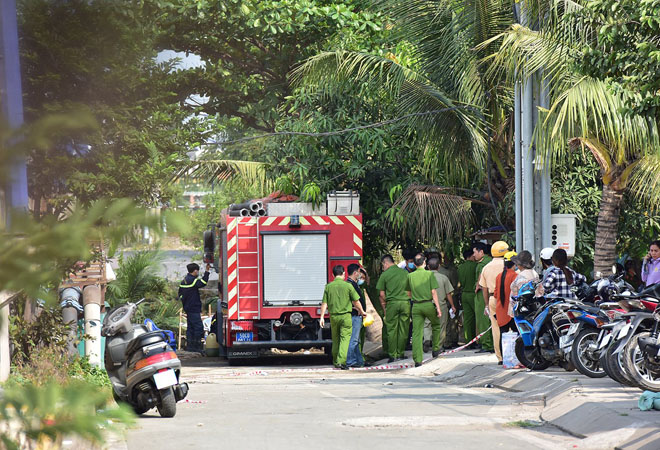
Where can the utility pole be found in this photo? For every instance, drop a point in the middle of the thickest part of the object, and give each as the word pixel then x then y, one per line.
pixel 533 219
pixel 11 101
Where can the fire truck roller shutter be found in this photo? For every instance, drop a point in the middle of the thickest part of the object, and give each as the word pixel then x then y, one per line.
pixel 295 268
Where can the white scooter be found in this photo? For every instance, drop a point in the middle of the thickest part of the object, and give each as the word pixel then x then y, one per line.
pixel 143 368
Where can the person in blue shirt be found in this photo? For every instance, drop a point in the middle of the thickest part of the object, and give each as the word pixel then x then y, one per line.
pixel 192 305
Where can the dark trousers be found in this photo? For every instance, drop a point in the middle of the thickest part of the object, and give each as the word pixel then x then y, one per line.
pixel 195 331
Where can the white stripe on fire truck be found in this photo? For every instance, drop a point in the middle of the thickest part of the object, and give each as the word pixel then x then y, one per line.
pixel 336 220
pixel 285 221
pixel 231 260
pixel 357 240
pixel 320 220
pixel 303 221
pixel 355 222
pixel 231 225
pixel 269 221
pixel 231 277
pixel 232 243
pixel 233 309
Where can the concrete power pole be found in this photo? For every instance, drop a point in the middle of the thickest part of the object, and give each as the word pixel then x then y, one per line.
pixel 532 175
pixel 11 101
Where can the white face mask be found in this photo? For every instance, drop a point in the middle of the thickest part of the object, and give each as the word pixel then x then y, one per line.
pixel 360 282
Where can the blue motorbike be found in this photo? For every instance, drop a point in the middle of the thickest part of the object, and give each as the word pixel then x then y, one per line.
pixel 541 322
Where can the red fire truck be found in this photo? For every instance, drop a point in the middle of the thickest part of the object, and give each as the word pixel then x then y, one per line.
pixel 273 270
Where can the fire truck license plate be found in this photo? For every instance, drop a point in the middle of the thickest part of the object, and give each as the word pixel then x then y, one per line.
pixel 244 336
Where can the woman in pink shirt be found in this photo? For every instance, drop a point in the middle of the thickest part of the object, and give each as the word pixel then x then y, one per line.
pixel 651 265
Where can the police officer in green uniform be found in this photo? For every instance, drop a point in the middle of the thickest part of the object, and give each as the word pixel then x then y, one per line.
pixel 467 279
pixel 339 298
pixel 392 286
pixel 422 285
pixel 483 321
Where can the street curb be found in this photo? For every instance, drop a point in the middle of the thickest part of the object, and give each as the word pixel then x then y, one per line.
pixel 612 421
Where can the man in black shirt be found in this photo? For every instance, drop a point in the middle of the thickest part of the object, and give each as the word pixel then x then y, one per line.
pixel 354 357
pixel 192 305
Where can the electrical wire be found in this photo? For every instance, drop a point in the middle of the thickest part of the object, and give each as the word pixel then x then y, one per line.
pixel 338 132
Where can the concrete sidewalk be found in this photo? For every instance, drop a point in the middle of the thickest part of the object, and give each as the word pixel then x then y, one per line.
pixel 600 411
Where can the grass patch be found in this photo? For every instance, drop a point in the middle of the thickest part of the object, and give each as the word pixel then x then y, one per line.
pixel 524 424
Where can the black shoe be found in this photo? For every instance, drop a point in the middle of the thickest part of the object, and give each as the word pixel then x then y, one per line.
pixel 436 353
pixel 483 350
pixel 418 364
pixel 366 364
pixel 499 363
pixel 391 360
pixel 401 358
pixel 343 367
pixel 472 346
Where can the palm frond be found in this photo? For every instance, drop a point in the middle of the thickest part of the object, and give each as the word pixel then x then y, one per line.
pixel 591 109
pixel 137 276
pixel 448 136
pixel 645 180
pixel 214 170
pixel 431 213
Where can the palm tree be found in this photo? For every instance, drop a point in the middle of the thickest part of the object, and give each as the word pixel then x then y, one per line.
pixel 444 75
pixel 585 113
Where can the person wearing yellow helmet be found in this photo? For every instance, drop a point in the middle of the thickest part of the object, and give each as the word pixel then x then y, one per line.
pixel 487 283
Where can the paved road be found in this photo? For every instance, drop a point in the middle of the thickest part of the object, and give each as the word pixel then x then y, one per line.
pixel 298 402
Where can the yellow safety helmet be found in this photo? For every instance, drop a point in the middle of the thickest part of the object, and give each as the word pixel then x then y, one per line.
pixel 509 255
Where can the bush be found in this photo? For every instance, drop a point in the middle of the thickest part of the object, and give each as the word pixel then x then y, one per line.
pixel 47 331
pixel 40 416
pixel 136 278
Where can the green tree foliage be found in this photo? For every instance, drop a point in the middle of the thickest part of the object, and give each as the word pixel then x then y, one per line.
pixel 99 57
pixel 40 415
pixel 248 48
pixel 584 113
pixel 137 277
pixel 374 162
pixel 626 51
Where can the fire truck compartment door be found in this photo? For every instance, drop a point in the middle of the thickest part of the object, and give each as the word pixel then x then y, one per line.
pixel 295 268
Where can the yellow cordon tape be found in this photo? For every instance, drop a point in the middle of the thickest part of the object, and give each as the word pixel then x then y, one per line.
pixel 381 367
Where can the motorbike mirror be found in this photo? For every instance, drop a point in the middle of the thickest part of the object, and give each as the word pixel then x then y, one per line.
pixel 614 271
pixel 143 299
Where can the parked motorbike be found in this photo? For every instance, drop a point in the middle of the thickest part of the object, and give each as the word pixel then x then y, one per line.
pixel 540 322
pixel 580 342
pixel 638 319
pixel 143 368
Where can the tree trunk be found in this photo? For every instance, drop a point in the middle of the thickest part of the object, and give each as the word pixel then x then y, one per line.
pixel 606 231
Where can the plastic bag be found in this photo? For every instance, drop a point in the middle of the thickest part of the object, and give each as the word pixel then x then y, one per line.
pixel 509 359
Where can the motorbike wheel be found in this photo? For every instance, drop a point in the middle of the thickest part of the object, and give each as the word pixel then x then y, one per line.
pixel 581 358
pixel 167 405
pixel 529 357
pixel 136 409
pixel 612 364
pixel 644 377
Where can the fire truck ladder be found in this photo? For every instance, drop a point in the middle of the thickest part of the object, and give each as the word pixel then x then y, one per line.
pixel 248 245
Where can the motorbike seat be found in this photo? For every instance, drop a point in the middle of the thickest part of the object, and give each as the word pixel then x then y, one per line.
pixel 143 340
pixel 590 309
